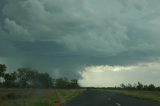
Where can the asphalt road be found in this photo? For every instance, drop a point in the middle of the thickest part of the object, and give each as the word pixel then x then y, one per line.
pixel 105 98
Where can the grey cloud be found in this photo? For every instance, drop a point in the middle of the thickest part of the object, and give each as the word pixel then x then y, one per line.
pixel 68 35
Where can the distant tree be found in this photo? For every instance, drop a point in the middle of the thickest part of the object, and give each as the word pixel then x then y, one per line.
pixel 23 75
pixel 139 86
pixel 2 70
pixel 129 86
pixel 158 88
pixel 134 85
pixel 9 80
pixel 151 87
pixel 74 84
pixel 31 78
pixel 43 80
pixel 62 83
pixel 123 85
pixel 145 87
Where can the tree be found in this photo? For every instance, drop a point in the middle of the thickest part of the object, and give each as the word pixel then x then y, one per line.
pixel 31 78
pixel 151 87
pixel 26 77
pixel 145 87
pixel 122 85
pixel 158 88
pixel 139 86
pixel 129 86
pixel 62 83
pixel 74 84
pixel 43 80
pixel 9 80
pixel 2 70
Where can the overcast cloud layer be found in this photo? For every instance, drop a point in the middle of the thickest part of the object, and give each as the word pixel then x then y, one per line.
pixel 64 36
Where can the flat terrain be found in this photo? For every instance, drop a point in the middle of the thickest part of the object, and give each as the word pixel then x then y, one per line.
pixel 108 98
pixel 145 95
pixel 35 97
pixel 47 97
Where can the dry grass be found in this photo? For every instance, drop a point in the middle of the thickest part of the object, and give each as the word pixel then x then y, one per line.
pixel 34 97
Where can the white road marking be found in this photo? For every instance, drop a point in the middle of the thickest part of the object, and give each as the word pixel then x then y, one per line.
pixel 118 104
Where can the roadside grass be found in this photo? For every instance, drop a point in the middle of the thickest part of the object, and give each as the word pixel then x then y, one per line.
pixel 35 97
pixel 145 95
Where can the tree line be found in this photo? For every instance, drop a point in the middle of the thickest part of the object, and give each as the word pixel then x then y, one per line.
pixel 136 86
pixel 139 86
pixel 30 78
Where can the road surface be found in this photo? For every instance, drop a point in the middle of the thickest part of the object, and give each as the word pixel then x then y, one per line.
pixel 105 98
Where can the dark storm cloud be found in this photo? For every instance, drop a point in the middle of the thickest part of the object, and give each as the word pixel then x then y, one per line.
pixel 66 35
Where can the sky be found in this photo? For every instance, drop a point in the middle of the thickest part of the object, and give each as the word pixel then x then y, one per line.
pixel 98 42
